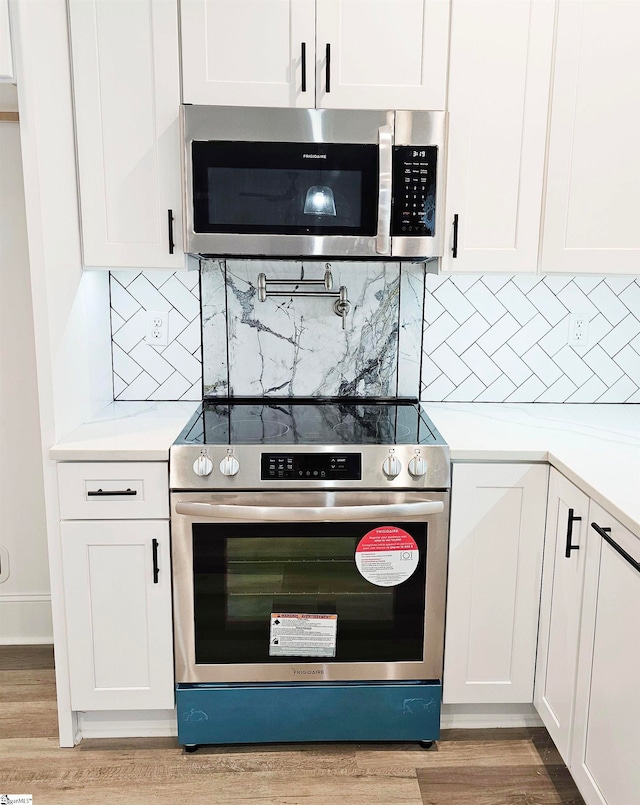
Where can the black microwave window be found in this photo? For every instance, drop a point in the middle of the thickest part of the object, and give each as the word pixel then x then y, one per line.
pixel 285 188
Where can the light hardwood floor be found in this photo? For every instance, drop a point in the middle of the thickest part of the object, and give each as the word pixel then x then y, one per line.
pixel 466 767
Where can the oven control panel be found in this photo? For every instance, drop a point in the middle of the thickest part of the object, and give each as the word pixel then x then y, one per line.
pixel 311 467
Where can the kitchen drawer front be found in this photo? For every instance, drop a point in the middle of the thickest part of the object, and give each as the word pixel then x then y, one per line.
pixel 113 490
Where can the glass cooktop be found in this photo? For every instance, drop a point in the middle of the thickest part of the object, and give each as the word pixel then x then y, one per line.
pixel 299 421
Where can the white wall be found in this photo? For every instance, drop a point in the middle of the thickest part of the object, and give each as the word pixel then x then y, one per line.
pixel 25 608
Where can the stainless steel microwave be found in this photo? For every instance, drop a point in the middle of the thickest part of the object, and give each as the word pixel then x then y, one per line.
pixel 313 182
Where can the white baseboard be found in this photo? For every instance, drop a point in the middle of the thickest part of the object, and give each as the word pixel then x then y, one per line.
pixel 127 724
pixel 25 619
pixel 483 716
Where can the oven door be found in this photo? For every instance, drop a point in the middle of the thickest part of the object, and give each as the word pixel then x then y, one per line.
pixel 309 585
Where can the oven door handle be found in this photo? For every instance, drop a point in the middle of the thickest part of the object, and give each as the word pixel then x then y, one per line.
pixel 215 511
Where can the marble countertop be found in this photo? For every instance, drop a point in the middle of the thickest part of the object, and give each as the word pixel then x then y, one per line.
pixel 595 446
pixel 126 431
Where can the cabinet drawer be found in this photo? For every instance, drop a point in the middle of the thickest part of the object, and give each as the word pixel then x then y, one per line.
pixel 122 490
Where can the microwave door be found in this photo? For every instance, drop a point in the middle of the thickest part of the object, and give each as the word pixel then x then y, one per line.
pixel 282 199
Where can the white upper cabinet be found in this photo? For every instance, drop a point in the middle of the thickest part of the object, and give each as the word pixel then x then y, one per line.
pixel 6 59
pixel 126 96
pixel 593 193
pixel 248 52
pixel 333 54
pixel 500 65
pixel 383 54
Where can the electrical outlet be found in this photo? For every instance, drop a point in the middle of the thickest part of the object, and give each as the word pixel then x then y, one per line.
pixel 578 330
pixel 157 328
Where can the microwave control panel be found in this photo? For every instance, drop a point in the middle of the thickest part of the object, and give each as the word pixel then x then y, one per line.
pixel 414 190
pixel 311 467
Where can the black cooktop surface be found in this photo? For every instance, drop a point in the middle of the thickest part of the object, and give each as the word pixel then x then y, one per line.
pixel 299 421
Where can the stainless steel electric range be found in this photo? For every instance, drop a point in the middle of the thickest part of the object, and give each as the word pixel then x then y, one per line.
pixel 309 552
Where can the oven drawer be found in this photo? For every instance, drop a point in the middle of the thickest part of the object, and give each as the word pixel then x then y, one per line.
pixel 373 711
pixel 113 490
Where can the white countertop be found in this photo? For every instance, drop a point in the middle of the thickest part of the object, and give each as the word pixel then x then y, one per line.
pixel 595 446
pixel 126 431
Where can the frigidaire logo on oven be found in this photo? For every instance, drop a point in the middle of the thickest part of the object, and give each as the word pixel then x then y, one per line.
pixel 314 156
pixel 307 673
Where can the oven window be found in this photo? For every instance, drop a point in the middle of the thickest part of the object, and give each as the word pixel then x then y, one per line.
pixel 285 188
pixel 244 573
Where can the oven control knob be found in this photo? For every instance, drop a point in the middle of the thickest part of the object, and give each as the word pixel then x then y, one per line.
pixel 203 466
pixel 417 467
pixel 391 467
pixel 229 465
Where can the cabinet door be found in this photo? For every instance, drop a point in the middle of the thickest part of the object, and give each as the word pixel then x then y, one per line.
pixel 499 73
pixel 384 54
pixel 561 605
pixel 606 745
pixel 118 614
pixel 248 52
pixel 592 199
pixel 6 59
pixel 126 96
pixel 495 565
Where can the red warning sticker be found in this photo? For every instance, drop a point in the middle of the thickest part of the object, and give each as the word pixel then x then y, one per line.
pixel 387 556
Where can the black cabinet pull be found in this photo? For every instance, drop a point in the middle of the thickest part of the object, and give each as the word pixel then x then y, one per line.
pixel 156 569
pixel 454 248
pixel 604 533
pixel 570 521
pixel 105 493
pixel 303 59
pixel 328 73
pixel 170 220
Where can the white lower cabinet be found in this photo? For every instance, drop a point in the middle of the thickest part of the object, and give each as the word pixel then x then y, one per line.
pixel 117 588
pixel 495 566
pixel 605 752
pixel 560 610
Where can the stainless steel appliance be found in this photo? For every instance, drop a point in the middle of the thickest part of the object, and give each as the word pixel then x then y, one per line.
pixel 313 182
pixel 309 550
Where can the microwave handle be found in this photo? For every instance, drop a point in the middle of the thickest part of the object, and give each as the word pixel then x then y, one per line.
pixel 215 511
pixel 383 236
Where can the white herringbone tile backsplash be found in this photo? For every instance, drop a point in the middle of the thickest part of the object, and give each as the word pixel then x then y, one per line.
pixel 494 338
pixel 145 372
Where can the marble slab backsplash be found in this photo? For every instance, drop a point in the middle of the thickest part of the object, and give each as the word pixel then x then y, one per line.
pixel 296 346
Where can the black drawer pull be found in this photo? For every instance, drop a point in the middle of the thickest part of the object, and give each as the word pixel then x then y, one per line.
pixel 569 547
pixel 604 533
pixel 328 74
pixel 156 569
pixel 104 493
pixel 454 248
pixel 170 221
pixel 303 59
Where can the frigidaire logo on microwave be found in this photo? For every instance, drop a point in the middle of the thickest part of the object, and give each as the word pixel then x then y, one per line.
pixel 307 673
pixel 314 156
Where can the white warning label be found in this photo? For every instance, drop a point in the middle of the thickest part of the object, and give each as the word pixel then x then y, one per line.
pixel 300 635
pixel 387 556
